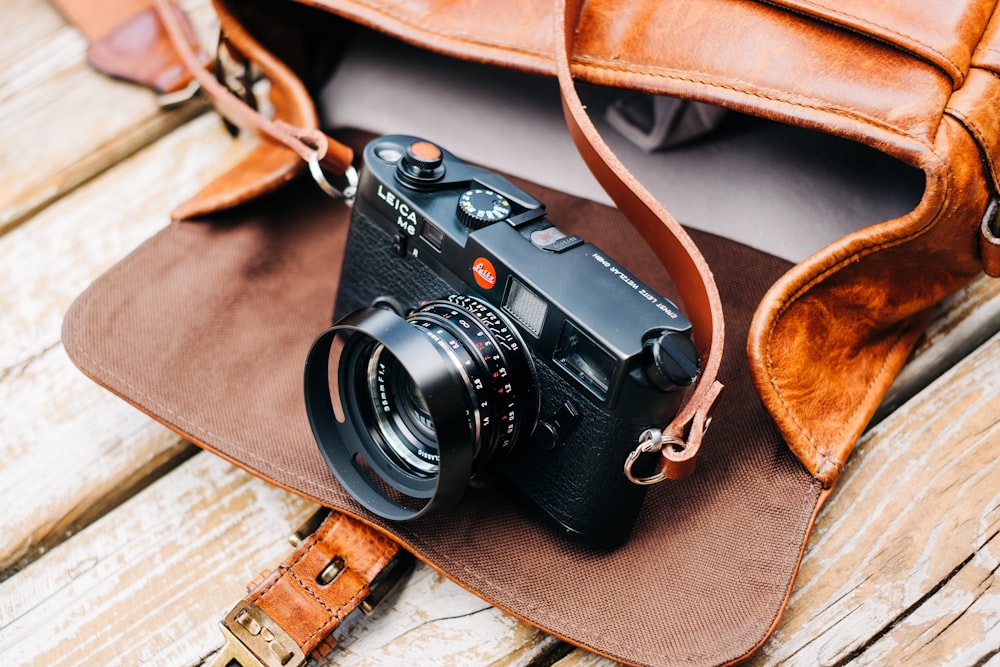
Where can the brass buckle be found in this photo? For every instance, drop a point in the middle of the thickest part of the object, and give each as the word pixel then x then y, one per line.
pixel 394 572
pixel 254 640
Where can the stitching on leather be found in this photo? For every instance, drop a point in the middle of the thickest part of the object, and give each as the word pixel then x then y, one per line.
pixel 772 95
pixel 386 11
pixel 422 27
pixel 825 452
pixel 601 65
pixel 981 140
pixel 339 614
pixel 288 571
pixel 868 22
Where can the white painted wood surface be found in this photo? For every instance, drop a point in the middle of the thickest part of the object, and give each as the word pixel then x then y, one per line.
pixel 121 544
pixel 61 123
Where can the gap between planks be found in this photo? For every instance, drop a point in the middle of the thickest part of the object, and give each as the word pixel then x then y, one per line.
pixel 149 581
pixel 54 423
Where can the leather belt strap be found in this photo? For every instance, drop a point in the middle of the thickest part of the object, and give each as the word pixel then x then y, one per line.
pixel 290 613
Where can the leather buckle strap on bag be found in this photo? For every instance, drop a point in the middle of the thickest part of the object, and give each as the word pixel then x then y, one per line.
pixel 340 565
pixel 319 151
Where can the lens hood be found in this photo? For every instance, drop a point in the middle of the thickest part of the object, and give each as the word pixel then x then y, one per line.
pixel 348 445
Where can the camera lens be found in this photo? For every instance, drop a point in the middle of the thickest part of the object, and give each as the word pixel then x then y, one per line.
pixel 426 401
pixel 402 415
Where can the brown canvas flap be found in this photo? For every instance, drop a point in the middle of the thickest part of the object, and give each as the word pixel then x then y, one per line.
pixel 206 327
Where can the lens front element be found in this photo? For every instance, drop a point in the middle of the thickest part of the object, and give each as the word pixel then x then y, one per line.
pixel 402 417
pixel 427 401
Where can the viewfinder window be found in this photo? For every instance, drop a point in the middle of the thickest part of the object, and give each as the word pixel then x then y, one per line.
pixel 433 235
pixel 585 359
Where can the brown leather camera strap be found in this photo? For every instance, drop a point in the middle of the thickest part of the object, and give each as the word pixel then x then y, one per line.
pixel 673 246
pixel 290 613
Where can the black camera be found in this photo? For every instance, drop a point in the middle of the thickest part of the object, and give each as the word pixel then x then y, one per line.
pixel 472 335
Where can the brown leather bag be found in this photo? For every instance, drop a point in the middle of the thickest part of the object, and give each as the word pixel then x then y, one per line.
pixel 206 325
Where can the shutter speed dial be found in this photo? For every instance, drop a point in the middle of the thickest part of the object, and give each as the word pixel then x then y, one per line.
pixel 480 207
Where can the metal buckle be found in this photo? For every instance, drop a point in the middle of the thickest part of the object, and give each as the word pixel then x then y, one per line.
pixel 254 640
pixel 390 576
pixel 651 440
pixel 350 175
pixel 394 572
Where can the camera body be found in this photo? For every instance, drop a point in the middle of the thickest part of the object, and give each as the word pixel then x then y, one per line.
pixel 594 356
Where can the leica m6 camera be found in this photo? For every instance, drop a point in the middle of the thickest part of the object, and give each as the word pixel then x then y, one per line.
pixel 473 339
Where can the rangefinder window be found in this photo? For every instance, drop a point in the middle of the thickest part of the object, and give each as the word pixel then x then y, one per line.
pixel 585 359
pixel 526 306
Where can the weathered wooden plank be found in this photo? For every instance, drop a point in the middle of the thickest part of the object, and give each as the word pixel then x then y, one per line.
pixel 63 123
pixel 91 433
pixel 124 589
pixel 435 622
pixel 147 583
pixel 919 502
pixel 55 425
pixel 958 625
pixel 27 24
pixel 70 450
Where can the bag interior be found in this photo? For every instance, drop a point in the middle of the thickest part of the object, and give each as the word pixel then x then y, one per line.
pixel 785 190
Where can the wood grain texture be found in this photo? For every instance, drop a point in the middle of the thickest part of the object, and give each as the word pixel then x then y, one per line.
pixel 55 425
pixel 148 582
pixel 919 505
pixel 63 123
pixel 129 546
pixel 146 579
pixel 961 323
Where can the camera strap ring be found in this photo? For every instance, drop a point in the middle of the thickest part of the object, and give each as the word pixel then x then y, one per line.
pixel 350 175
pixel 651 441
pixel 675 249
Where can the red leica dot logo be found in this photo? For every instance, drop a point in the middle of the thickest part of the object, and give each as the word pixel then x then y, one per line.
pixel 484 273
